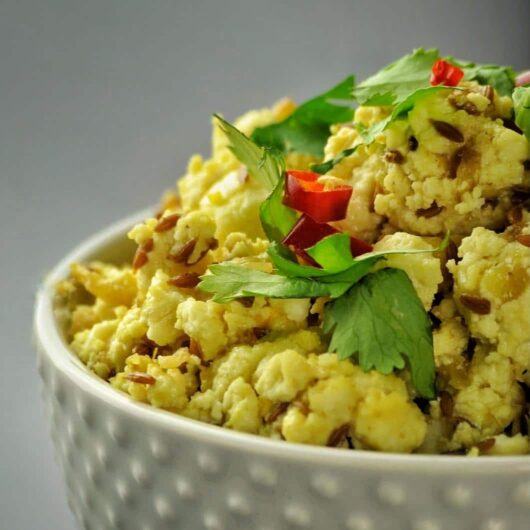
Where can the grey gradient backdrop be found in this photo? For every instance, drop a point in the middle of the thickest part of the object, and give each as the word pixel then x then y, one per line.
pixel 102 102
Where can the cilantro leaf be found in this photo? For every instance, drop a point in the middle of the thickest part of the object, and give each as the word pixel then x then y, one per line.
pixel 369 134
pixel 396 81
pixel 501 78
pixel 324 167
pixel 263 164
pixel 521 105
pixel 276 218
pixel 228 281
pixel 333 252
pixel 306 130
pixel 381 320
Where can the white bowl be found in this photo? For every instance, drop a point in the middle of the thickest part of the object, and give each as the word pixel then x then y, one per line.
pixel 131 466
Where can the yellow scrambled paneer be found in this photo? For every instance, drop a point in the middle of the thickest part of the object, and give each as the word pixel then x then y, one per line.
pixel 261 365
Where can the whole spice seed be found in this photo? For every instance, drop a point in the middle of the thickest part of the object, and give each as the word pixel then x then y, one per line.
pixel 486 445
pixel 141 377
pixel 338 435
pixel 429 212
pixel 141 255
pixel 195 349
pixel 448 131
pixel 167 223
pixel 184 252
pixel 476 304
pixel 394 157
pixel 487 92
pixel 186 279
pixel 413 143
pixel 455 162
pixel 276 411
pixel 524 239
pixel 446 404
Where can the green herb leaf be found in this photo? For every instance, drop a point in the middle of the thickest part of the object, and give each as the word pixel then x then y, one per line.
pixel 324 167
pixel 228 281
pixel 333 252
pixel 501 78
pixel 521 105
pixel 307 129
pixel 276 218
pixel 381 320
pixel 263 164
pixel 396 81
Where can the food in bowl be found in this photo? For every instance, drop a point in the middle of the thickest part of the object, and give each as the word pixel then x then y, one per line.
pixel 330 276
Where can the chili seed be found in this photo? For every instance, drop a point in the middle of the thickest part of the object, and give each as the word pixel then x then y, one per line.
pixel 476 304
pixel 413 143
pixel 524 239
pixel 184 252
pixel 167 223
pixel 141 377
pixel 394 157
pixel 448 131
pixel 186 279
pixel 276 411
pixel 338 435
pixel 429 212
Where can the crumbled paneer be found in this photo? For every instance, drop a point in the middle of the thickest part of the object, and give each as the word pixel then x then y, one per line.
pixel 263 366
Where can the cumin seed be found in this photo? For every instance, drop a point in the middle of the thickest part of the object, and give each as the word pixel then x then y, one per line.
pixel 446 404
pixel 448 131
pixel 142 378
pixel 184 252
pixel 486 445
pixel 338 435
pixel 167 223
pixel 276 411
pixel 476 304
pixel 186 279
pixel 429 212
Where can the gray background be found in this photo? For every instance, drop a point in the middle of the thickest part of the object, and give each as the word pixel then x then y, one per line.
pixel 102 102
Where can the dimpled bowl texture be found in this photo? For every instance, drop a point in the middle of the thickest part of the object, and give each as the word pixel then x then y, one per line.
pixel 130 466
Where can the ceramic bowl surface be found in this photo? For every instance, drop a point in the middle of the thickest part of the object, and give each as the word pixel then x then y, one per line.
pixel 131 466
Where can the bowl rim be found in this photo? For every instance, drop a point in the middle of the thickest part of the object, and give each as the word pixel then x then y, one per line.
pixel 49 340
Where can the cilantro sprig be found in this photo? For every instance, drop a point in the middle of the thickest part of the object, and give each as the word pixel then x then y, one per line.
pixel 306 130
pixel 339 277
pixel 381 321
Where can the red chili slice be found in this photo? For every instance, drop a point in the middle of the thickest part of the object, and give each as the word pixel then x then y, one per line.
pixel 306 233
pixel 444 73
pixel 305 194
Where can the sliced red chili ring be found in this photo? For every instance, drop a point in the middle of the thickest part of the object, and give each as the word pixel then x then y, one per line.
pixel 304 193
pixel 444 73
